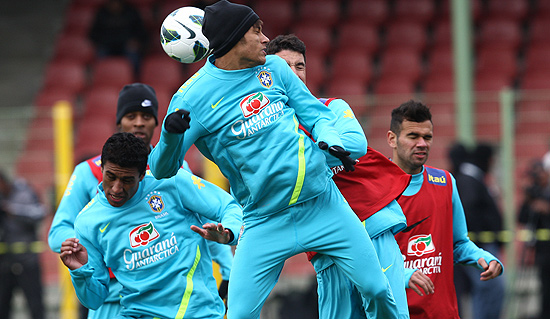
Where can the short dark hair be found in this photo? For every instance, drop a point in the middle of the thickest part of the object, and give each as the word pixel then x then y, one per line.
pixel 125 150
pixel 412 111
pixel 286 42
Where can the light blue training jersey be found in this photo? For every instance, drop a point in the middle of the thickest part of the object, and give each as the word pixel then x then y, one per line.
pixel 464 251
pixel 164 267
pixel 246 121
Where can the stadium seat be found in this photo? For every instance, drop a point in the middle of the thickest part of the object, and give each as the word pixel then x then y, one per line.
pixel 392 84
pixel 348 65
pixel 438 83
pixel 403 63
pixel 406 35
pixel 515 10
pixel 441 35
pixel 358 37
pixel 318 38
pixel 192 68
pixel 65 75
pixel 323 12
pixel 161 72
pixel 276 15
pixel 346 88
pixel 440 60
pixel 91 135
pixel 535 80
pixel 100 102
pixel 417 11
pixel 75 48
pixel 497 61
pixel 492 82
pixel 538 30
pixel 112 72
pixel 537 57
pixel 316 71
pixel 79 20
pixel 46 98
pixel 373 12
pixel 499 33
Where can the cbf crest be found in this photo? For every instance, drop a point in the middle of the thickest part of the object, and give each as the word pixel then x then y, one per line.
pixel 156 203
pixel 265 79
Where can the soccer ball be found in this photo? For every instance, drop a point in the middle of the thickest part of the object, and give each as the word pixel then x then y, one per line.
pixel 181 35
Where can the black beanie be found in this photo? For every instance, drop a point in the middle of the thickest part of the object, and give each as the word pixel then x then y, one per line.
pixel 225 23
pixel 137 97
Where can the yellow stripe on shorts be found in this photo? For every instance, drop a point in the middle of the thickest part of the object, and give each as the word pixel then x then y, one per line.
pixel 301 166
pixel 189 286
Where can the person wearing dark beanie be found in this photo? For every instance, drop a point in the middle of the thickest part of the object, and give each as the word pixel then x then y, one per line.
pixel 241 111
pixel 137 97
pixel 225 23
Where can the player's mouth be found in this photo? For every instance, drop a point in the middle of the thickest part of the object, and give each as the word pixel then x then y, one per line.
pixel 139 134
pixel 117 199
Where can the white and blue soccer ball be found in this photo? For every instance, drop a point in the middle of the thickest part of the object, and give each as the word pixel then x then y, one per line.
pixel 181 35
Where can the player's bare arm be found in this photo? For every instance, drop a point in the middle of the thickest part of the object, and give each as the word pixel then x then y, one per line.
pixel 73 254
pixel 493 270
pixel 214 232
pixel 419 279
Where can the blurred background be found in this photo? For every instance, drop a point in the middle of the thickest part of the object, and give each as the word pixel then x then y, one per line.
pixel 483 66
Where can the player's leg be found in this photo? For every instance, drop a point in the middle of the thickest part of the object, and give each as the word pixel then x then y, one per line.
pixel 393 267
pixel 329 226
pixel 333 285
pixel 263 247
pixel 7 280
pixel 29 280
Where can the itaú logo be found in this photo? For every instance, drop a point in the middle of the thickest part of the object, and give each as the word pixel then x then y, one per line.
pixel 420 245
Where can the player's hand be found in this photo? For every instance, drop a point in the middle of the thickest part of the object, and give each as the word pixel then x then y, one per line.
pixel 419 279
pixel 214 232
pixel 341 154
pixel 177 122
pixel 222 291
pixel 491 271
pixel 73 254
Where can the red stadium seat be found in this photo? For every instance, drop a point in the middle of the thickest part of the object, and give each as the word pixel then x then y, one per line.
pixel 91 135
pixel 492 82
pixel 112 72
pixel 65 75
pixel 318 38
pixel 358 37
pixel 373 12
pixel 100 102
pixel 440 60
pixel 406 35
pixel 497 61
pixel 537 57
pixel 162 72
pixel 47 98
pixel 394 85
pixel 346 88
pixel 441 36
pixel 417 11
pixel 316 71
pixel 515 10
pixel 438 83
pixel 75 48
pixel 350 66
pixel 499 33
pixel 538 30
pixel 276 15
pixel 536 80
pixel 402 63
pixel 79 20
pixel 322 12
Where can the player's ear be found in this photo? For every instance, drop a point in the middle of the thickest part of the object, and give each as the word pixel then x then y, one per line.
pixel 392 139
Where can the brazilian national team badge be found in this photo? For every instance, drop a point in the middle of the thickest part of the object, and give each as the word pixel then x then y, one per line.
pixel 156 203
pixel 265 79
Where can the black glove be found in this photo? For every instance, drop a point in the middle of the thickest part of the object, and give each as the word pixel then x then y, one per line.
pixel 177 122
pixel 222 291
pixel 341 154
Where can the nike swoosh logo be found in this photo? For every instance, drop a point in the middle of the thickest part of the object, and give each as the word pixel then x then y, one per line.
pixel 191 32
pixel 214 105
pixel 104 228
pixel 408 229
pixel 384 269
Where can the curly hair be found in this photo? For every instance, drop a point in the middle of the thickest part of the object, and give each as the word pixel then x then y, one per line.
pixel 125 150
pixel 286 42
